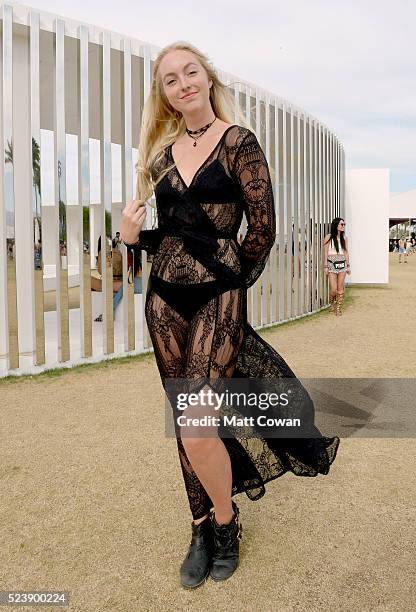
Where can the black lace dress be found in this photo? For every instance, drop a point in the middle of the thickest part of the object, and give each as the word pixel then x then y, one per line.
pixel 196 302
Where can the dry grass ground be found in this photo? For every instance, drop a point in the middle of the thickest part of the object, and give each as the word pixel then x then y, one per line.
pixel 93 500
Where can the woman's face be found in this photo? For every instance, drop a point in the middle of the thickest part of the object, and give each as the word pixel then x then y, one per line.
pixel 181 74
pixel 341 225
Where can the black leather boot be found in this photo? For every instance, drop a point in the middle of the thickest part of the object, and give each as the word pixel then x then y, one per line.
pixel 195 567
pixel 227 546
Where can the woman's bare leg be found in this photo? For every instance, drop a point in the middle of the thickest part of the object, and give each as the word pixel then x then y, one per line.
pixel 215 338
pixel 341 282
pixel 169 334
pixel 332 285
pixel 211 463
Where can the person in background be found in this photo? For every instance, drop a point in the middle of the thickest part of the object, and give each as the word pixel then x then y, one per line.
pixel 402 250
pixel 116 241
pixel 336 263
pixel 134 276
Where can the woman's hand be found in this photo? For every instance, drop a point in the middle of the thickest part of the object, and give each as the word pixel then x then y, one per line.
pixel 326 270
pixel 132 219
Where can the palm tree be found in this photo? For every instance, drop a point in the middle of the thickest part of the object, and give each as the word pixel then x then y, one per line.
pixel 9 152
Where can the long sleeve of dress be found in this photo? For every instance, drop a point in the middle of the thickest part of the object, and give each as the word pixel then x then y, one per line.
pixel 149 241
pixel 252 173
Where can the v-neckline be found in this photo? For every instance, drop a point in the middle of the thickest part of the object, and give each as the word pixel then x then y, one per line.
pixel 203 163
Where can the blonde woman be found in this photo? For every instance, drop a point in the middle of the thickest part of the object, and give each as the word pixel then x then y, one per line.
pixel 206 172
pixel 336 263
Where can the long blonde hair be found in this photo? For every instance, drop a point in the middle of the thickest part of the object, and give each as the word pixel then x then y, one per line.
pixel 162 124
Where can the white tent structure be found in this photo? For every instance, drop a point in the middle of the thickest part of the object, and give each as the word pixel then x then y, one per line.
pixel 403 210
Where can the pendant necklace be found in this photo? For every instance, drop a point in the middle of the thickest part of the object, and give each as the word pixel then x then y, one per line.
pixel 195 134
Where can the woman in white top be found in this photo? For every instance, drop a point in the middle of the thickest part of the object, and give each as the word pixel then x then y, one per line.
pixel 336 263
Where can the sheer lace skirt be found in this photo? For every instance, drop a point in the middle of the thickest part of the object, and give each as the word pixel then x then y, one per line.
pixel 214 340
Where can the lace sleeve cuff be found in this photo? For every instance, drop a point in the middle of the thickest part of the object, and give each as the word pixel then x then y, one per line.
pixel 149 240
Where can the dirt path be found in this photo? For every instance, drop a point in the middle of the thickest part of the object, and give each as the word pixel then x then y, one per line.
pixel 93 501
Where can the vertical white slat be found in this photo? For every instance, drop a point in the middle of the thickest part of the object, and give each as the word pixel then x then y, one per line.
pixel 61 238
pixel 315 215
pixel 318 214
pixel 339 181
pixel 290 203
pixel 106 193
pixel 248 105
pixel 273 255
pixel 301 195
pixel 324 208
pixel 295 212
pixel 308 197
pixel 127 191
pixel 147 80
pixel 285 216
pixel 329 187
pixel 281 210
pixel 38 237
pixel 342 211
pixel 330 190
pixel 334 208
pixel 9 314
pixel 84 193
pixel 338 178
pixel 336 199
pixel 331 212
pixel 236 101
pixel 321 215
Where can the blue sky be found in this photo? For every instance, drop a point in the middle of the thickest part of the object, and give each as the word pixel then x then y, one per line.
pixel 351 64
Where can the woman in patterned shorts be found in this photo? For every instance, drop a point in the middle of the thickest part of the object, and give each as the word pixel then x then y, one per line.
pixel 336 263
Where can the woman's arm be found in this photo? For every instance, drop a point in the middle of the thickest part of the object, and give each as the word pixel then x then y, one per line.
pixel 251 171
pixel 132 220
pixel 325 251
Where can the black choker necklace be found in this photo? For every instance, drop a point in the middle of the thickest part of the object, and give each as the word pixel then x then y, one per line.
pixel 199 132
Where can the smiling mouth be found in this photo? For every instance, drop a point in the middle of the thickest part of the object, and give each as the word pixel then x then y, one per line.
pixel 189 95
